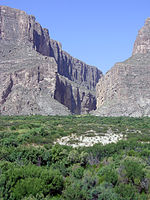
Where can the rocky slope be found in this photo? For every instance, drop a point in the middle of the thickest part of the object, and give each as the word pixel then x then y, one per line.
pixel 125 89
pixel 36 75
pixel 142 43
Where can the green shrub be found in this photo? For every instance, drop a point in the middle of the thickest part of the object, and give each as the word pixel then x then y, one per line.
pixel 108 174
pixel 19 182
pixel 77 171
pixel 13 128
pixel 74 191
pixel 133 170
pixel 126 191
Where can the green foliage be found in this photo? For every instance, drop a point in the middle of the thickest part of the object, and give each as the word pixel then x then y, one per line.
pixel 73 156
pixel 133 171
pixel 126 191
pixel 32 167
pixel 74 191
pixel 58 153
pixel 104 192
pixel 77 171
pixel 108 174
pixel 18 182
pixel 27 186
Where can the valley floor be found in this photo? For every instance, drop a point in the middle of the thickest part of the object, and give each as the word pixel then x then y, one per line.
pixel 74 157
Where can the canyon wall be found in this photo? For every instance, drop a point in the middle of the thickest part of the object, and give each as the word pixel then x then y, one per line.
pixel 26 51
pixel 125 88
pixel 142 42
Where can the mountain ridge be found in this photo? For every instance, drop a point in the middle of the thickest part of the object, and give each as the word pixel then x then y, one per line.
pixel 124 90
pixel 27 47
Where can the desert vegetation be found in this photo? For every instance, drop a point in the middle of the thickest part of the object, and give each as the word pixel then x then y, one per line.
pixel 34 167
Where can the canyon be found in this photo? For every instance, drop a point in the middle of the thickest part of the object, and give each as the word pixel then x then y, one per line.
pixel 37 77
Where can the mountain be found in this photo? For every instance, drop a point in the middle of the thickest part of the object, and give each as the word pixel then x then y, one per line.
pixel 125 88
pixel 36 75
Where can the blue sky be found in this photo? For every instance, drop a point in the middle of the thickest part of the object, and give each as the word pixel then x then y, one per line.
pixel 98 32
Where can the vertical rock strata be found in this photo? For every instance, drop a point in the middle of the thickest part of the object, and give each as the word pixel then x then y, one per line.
pixel 142 42
pixel 74 69
pixel 36 75
pixel 77 99
pixel 125 89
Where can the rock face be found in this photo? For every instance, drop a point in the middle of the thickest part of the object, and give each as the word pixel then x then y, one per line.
pixel 77 99
pixel 142 43
pixel 18 27
pixel 125 89
pixel 74 69
pixel 36 75
pixel 28 83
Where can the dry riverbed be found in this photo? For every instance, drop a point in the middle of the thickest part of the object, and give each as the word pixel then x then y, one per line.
pixel 90 138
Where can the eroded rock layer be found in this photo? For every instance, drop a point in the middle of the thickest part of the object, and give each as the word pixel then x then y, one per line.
pixel 75 97
pixel 28 84
pixel 34 70
pixel 125 89
pixel 142 42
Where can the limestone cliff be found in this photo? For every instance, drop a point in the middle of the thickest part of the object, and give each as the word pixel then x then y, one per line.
pixel 125 89
pixel 142 42
pixel 75 97
pixel 34 67
pixel 74 69
pixel 28 84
